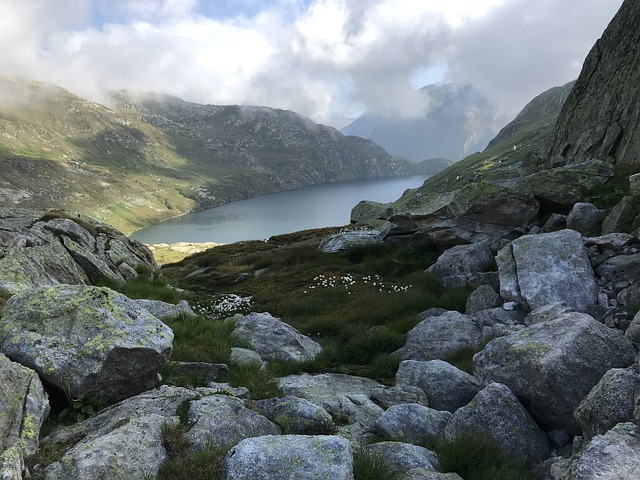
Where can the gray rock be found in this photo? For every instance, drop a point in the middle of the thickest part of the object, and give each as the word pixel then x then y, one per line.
pixel 355 238
pixel 482 298
pixel 405 456
pixel 221 388
pixel 629 297
pixel 609 402
pixel 86 340
pixel 345 397
pixel 585 218
pixel 612 456
pixel 365 211
pixel 463 260
pixel 296 415
pixel 290 457
pixel 633 332
pixel 634 185
pixel 447 387
pixel 161 309
pixel 552 366
pixel 411 423
pixel 622 216
pixel 548 312
pixel 423 474
pixel 555 222
pixel 389 396
pixel 12 464
pixel 495 415
pixel 273 339
pixel 612 241
pixel 621 268
pixel 223 421
pixel 552 267
pixel 498 316
pixel 244 356
pixel 439 337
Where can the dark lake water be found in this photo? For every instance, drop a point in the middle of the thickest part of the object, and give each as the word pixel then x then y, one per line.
pixel 276 213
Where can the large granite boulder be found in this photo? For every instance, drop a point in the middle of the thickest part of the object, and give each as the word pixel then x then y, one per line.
pixel 273 339
pixel 220 420
pixel 447 387
pixel 341 242
pixel 290 457
pixel 600 117
pixel 87 341
pixel 440 336
pixel 463 260
pixel 404 457
pixel 585 218
pixel 296 415
pixel 610 402
pixel 551 366
pixel 552 267
pixel 39 247
pixel 412 423
pixel 495 415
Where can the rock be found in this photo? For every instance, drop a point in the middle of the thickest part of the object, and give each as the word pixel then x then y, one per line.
pixel 609 402
pixel 39 248
pixel 387 397
pixel 533 163
pixel 354 238
pixel 447 387
pixel 199 372
pixel 612 241
pixel 423 474
pixel 555 222
pixel 585 218
pixel 161 309
pixel 621 268
pixel 345 397
pixel 552 267
pixel 412 423
pixel 404 456
pixel 296 415
pixel 552 366
pixel 244 356
pixel 548 312
pixel 439 337
pixel 498 316
pixel 273 339
pixel 482 298
pixel 622 217
pixel 612 456
pixel 463 260
pixel 87 341
pixel 223 421
pixel 365 211
pixel 633 332
pixel 24 406
pixel 495 415
pixel 290 457
pixel 221 388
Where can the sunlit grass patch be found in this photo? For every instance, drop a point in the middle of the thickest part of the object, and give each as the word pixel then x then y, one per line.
pixel 200 339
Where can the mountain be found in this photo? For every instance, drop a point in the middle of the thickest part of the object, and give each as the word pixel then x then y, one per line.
pixel 150 157
pixel 458 121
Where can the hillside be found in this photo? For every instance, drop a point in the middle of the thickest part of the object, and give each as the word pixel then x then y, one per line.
pixel 152 157
pixel 458 121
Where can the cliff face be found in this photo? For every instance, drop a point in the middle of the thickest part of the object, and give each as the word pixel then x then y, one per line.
pixel 600 119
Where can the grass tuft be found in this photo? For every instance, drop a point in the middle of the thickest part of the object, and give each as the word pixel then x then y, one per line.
pixel 373 466
pixel 154 288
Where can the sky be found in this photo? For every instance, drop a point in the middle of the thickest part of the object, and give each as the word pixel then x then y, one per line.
pixel 326 59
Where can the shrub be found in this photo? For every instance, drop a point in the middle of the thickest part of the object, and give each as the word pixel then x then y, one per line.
pixel 475 459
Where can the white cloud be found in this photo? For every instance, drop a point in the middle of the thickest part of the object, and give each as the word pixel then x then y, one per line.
pixel 317 57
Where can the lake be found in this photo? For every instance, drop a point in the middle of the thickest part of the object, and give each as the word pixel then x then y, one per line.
pixel 261 217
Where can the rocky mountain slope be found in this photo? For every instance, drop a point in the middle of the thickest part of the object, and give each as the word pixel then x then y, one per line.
pixel 151 157
pixel 457 122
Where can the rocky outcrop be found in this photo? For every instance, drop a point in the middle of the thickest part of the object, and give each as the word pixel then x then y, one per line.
pixel 551 366
pixel 405 457
pixel 341 242
pixel 600 118
pixel 273 339
pixel 87 341
pixel 39 247
pixel 296 415
pixel 412 423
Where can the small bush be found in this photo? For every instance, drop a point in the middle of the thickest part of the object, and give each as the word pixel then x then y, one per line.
pixel 475 459
pixel 373 466
pixel 383 367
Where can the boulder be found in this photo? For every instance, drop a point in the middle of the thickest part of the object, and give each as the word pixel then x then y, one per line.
pixel 608 403
pixel 411 423
pixel 160 309
pixel 551 366
pixel 346 240
pixel 612 456
pixel 621 268
pixel 482 298
pixel 296 415
pixel 87 341
pixel 440 336
pixel 346 398
pixel 290 457
pixel 496 416
pixel 423 474
pixel 366 211
pixel 447 387
pixel 548 312
pixel 223 421
pixel 551 267
pixel 244 356
pixel 405 456
pixel 39 248
pixel 585 218
pixel 498 316
pixel 273 339
pixel 463 260
pixel 622 217
pixel 633 332
pixel 389 396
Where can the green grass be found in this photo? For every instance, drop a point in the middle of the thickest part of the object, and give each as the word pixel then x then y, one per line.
pixel 199 339
pixel 373 466
pixel 474 459
pixel 261 382
pixel 146 286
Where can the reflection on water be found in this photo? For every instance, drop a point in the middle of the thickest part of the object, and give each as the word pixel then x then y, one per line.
pixel 283 212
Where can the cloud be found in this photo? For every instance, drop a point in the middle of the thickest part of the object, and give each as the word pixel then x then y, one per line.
pixel 316 57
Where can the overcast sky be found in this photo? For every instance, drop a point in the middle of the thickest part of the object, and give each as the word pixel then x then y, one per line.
pixel 316 57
